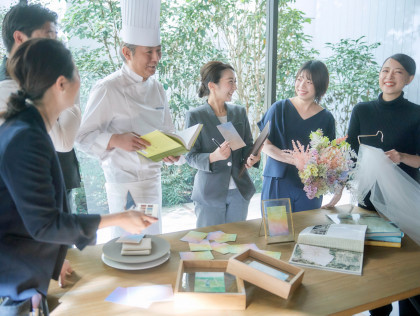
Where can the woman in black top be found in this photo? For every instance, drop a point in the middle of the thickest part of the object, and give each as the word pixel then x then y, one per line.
pixel 399 121
pixel 396 117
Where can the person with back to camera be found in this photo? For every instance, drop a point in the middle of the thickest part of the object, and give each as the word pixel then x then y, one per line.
pixel 219 194
pixel 294 119
pixel 36 226
pixel 399 121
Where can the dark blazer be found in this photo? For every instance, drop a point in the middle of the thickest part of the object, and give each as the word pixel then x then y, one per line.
pixel 211 183
pixel 36 226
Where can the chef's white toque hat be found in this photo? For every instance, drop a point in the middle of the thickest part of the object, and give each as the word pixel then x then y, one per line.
pixel 141 22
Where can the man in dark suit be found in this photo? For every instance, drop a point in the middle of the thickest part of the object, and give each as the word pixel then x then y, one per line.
pixel 21 23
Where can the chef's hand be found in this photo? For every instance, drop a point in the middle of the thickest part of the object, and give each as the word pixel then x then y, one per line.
pixel 66 270
pixel 221 153
pixel 171 159
pixel 128 142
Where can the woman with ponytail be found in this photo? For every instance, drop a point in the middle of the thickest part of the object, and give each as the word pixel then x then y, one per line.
pixel 220 195
pixel 36 226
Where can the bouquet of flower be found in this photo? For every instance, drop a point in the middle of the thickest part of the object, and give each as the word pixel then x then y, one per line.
pixel 324 166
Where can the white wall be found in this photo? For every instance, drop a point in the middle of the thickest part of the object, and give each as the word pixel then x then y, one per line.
pixel 393 23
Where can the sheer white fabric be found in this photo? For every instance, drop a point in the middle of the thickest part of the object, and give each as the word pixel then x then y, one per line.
pixel 393 193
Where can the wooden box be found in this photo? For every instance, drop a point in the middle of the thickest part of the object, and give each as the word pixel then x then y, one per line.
pixel 273 275
pixel 188 296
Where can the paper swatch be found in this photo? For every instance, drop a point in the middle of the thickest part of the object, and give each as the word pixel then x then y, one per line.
pixel 196 255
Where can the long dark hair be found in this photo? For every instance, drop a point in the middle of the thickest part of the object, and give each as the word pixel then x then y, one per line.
pixel 211 72
pixel 35 66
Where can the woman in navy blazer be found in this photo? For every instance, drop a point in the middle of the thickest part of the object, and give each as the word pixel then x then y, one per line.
pixel 36 226
pixel 219 194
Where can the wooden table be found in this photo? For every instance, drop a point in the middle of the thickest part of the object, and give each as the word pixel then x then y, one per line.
pixel 389 274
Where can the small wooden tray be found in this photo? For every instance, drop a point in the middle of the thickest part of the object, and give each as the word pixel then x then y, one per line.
pixel 273 275
pixel 233 298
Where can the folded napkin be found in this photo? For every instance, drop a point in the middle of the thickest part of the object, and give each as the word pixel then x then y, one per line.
pixel 140 249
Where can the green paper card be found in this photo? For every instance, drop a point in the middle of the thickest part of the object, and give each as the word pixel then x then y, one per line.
pixel 209 282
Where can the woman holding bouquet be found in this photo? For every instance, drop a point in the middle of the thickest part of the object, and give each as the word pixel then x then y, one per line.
pixel 293 120
pixel 399 121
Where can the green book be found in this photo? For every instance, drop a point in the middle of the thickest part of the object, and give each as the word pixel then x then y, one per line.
pixel 164 144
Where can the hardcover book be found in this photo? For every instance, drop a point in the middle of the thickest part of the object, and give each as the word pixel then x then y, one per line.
pixel 335 247
pixel 164 144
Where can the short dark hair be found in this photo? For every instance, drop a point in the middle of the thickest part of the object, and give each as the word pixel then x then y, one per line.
pixel 36 66
pixel 406 61
pixel 26 19
pixel 319 76
pixel 211 72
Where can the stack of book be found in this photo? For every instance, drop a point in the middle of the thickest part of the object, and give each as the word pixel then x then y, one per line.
pixel 380 232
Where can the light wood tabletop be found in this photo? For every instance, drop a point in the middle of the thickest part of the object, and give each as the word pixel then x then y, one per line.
pixel 389 274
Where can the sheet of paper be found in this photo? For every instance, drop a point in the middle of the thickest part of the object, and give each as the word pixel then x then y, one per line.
pixel 214 235
pixel 194 236
pixel 200 246
pixel 226 238
pixel 269 270
pixel 141 296
pixel 242 247
pixel 130 238
pixel 209 282
pixel 148 209
pixel 274 254
pixel 196 255
pixel 223 248
pixel 230 134
pixel 277 220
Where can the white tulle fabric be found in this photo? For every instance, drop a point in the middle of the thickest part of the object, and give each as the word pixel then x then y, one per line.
pixel 393 193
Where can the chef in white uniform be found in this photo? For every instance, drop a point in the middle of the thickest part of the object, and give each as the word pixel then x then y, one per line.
pixel 126 104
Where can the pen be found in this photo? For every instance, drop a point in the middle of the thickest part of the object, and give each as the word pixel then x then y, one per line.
pixel 218 145
pixel 216 142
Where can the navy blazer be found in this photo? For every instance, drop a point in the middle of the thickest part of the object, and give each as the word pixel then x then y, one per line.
pixel 211 183
pixel 36 226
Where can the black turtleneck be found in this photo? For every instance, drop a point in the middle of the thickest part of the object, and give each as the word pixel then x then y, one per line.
pixel 399 121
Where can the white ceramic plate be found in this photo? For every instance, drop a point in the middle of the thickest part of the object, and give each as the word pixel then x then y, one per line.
pixel 160 247
pixel 135 266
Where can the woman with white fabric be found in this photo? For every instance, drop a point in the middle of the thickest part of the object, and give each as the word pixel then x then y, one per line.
pixel 399 122
pixel 397 118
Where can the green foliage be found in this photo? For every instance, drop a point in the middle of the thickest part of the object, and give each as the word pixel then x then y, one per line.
pixel 92 195
pixel 353 78
pixel 177 184
pixel 291 49
pixel 96 23
pixel 256 176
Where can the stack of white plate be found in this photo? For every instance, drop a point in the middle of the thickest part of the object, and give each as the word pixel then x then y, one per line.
pixel 112 257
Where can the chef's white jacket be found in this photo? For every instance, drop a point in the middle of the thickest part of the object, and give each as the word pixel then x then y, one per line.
pixel 122 102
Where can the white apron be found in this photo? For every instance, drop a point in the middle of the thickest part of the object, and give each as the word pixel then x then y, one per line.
pixel 146 191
